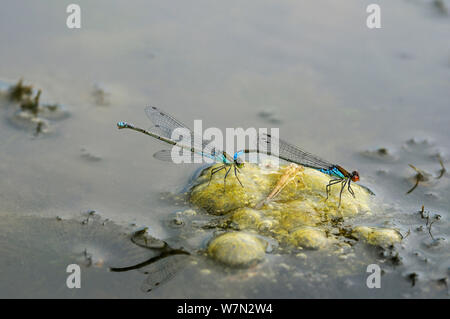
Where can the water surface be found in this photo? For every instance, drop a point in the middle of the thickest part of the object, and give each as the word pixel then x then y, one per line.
pixel 336 88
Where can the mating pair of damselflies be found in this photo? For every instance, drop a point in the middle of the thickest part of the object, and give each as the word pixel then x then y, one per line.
pixel 166 124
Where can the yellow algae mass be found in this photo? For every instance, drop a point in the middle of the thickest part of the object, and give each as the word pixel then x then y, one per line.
pixel 306 187
pixel 298 216
pixel 247 218
pixel 309 237
pixel 237 249
pixel 377 236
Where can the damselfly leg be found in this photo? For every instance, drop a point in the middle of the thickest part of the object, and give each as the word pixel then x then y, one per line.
pixel 331 183
pixel 344 182
pixel 215 170
pixel 235 174
pixel 228 168
pixel 350 190
pixel 225 179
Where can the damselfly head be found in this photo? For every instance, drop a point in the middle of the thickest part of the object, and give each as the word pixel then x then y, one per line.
pixel 121 125
pixel 355 176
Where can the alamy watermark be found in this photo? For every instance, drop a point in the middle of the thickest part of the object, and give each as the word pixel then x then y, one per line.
pixel 374 279
pixel 74 279
pixel 73 20
pixel 373 21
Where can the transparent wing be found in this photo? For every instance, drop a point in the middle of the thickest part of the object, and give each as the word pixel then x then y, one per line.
pixel 167 124
pixel 291 153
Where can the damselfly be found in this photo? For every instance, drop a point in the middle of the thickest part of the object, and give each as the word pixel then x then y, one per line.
pixel 167 124
pixel 294 154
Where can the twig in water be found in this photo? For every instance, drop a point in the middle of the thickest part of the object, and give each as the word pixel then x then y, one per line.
pixel 413 278
pixel 427 217
pixel 443 170
pixel 420 177
pixel 429 229
pixel 422 211
pixel 407 234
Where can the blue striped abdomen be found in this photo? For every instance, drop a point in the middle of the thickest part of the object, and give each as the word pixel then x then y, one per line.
pixel 332 172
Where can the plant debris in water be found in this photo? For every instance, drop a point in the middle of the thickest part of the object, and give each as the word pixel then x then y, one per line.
pixel 443 169
pixel 31 110
pixel 426 215
pixel 20 92
pixel 423 176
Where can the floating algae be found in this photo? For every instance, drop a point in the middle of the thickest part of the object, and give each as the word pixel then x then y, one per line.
pixel 299 217
pixel 309 237
pixel 308 186
pixel 383 237
pixel 237 249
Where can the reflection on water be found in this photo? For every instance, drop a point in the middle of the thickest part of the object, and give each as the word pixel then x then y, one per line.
pixel 160 268
pixel 162 271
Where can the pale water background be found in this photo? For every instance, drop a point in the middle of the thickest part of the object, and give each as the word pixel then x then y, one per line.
pixel 335 87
